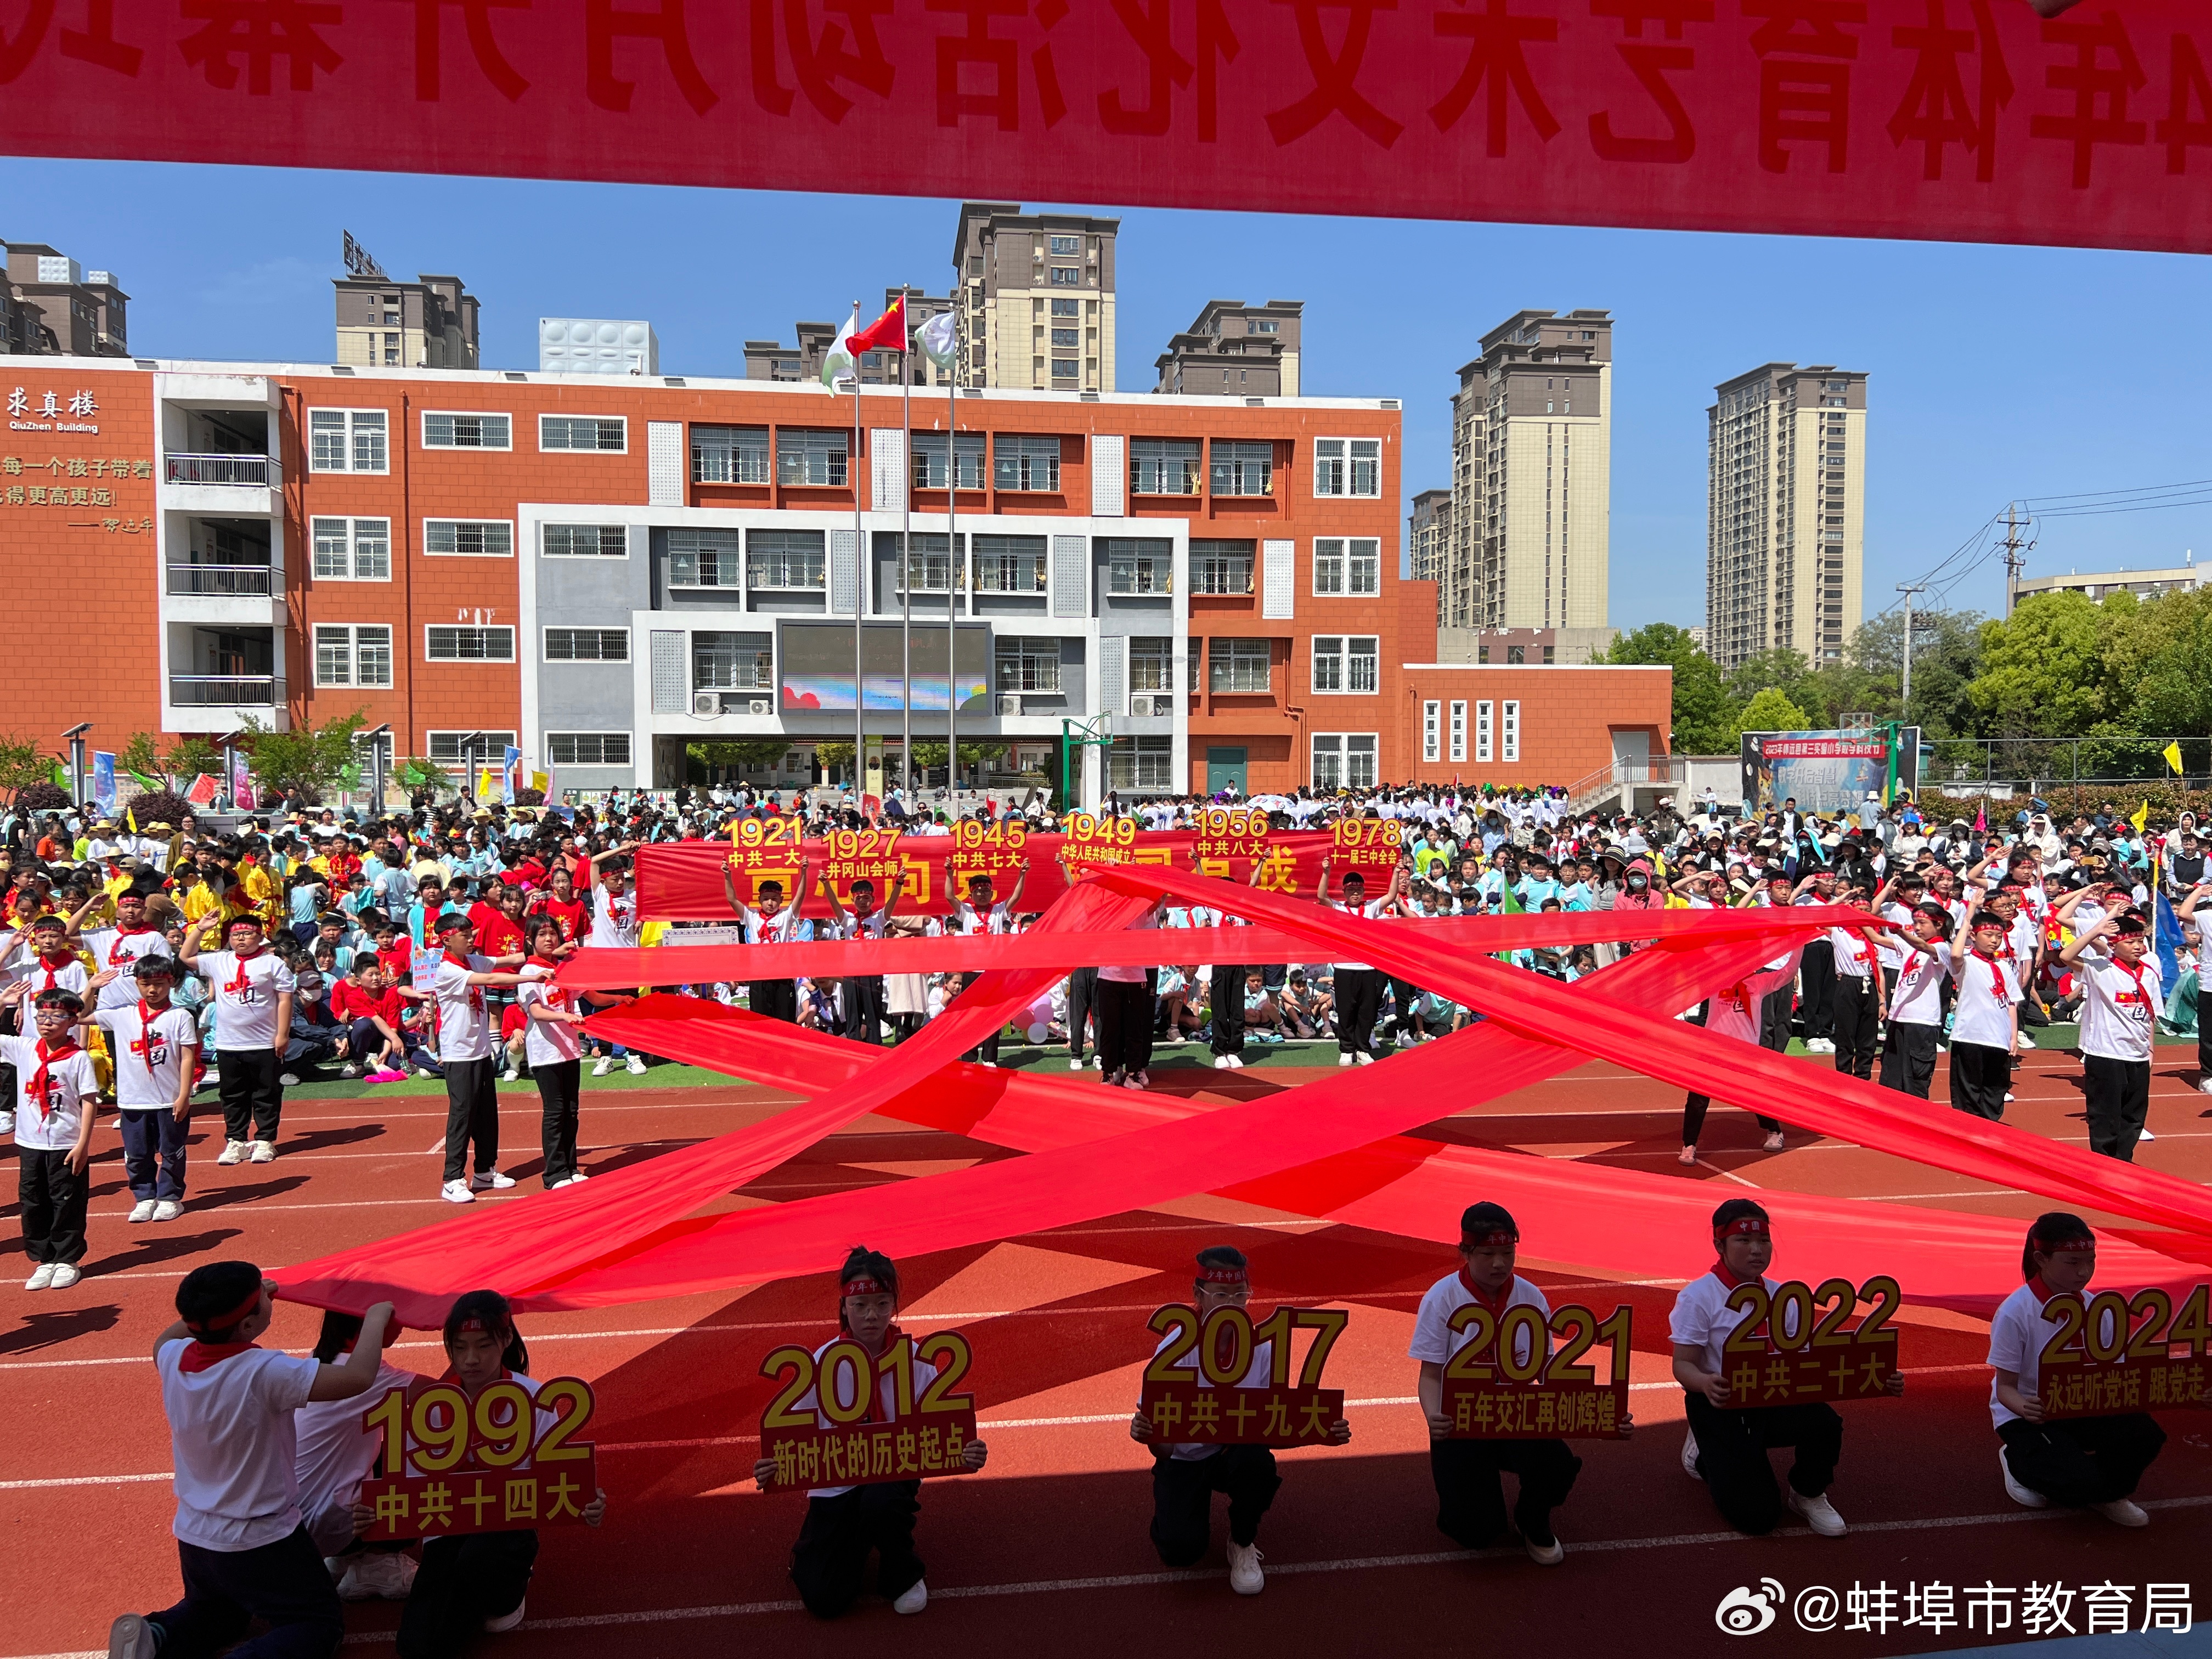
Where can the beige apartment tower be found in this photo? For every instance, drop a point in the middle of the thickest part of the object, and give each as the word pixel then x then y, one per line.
pixel 1532 476
pixel 1785 527
pixel 1038 296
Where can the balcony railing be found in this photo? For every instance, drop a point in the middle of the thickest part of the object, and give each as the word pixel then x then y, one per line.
pixel 252 471
pixel 247 581
pixel 226 692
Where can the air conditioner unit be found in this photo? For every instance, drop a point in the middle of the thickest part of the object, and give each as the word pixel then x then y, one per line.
pixel 1009 705
pixel 761 706
pixel 1143 707
pixel 707 705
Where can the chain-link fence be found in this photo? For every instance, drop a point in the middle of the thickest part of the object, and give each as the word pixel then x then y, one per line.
pixel 2005 767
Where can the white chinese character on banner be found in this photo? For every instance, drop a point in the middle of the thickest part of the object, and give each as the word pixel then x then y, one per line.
pixel 2167 1607
pixel 84 402
pixel 18 404
pixel 1933 1607
pixel 50 406
pixel 2045 1610
pixel 2107 1605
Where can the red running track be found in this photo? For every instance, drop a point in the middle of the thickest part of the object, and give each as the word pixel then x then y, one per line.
pixel 1054 1529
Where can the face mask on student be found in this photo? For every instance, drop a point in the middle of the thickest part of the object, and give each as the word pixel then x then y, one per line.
pixel 1636 883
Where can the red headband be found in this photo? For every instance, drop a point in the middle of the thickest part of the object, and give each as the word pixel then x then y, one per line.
pixel 1496 1239
pixel 2052 1246
pixel 224 1321
pixel 1752 1226
pixel 473 1323
pixel 1224 1276
pixel 863 1286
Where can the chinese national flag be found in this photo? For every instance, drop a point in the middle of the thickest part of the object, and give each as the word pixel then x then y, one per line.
pixel 886 333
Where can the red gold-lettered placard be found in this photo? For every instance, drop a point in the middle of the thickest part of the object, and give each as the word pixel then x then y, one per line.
pixel 1782 1356
pixel 928 1434
pixel 1508 1381
pixel 1214 1406
pixel 498 1464
pixel 1365 844
pixel 2115 1354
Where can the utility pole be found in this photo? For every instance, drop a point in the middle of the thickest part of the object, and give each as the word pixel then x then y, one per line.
pixel 2015 548
pixel 1904 689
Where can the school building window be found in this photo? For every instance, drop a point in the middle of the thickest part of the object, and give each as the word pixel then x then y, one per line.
pixel 1241 468
pixel 1021 463
pixel 1347 467
pixel 466 644
pixel 607 434
pixel 1345 664
pixel 785 559
pixel 445 431
pixel 587 748
pixel 1509 731
pixel 929 450
pixel 702 558
pixel 445 746
pixel 353 549
pixel 587 645
pixel 1346 567
pixel 1484 722
pixel 1433 715
pixel 1139 567
pixel 1151 663
pixel 729 454
pixel 1235 665
pixel 585 541
pixel 468 539
pixel 1344 760
pixel 1458 730
pixel 1008 564
pixel 731 662
pixel 1026 664
pixel 1141 763
pixel 1220 567
pixel 1163 466
pixel 810 458
pixel 353 654
pixel 348 441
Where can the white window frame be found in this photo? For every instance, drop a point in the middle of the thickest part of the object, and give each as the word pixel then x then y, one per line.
pixel 545 644
pixel 1433 712
pixel 352 436
pixel 1344 655
pixel 428 414
pixel 507 628
pixel 1345 560
pixel 1340 463
pixel 353 536
pixel 545 551
pixel 429 552
pixel 602 737
pixel 729 453
pixel 1509 730
pixel 1226 653
pixel 1459 728
pixel 731 557
pixel 1483 726
pixel 353 648
pixel 570 449
pixel 495 744
pixel 1340 745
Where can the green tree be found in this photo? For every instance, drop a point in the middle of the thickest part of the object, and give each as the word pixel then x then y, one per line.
pixel 1779 670
pixel 1705 712
pixel 191 757
pixel 1946 655
pixel 141 755
pixel 1771 710
pixel 2043 669
pixel 744 751
pixel 23 763
pixel 834 754
pixel 310 761
pixel 2160 657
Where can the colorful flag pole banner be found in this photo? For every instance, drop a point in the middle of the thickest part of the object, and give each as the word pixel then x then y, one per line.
pixel 1949 120
pixel 631 1237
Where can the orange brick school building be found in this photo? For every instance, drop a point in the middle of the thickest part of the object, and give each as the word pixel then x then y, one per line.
pixel 602 571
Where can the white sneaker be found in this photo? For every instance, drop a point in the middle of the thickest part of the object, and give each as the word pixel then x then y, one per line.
pixel 41 1276
pixel 1545 1555
pixel 1344 1060
pixel 288 1080
pixel 233 1151
pixel 506 1621
pixel 8 1127
pixel 1235 1062
pixel 915 1598
pixel 2008 1100
pixel 168 1209
pixel 457 1192
pixel 425 1071
pixel 131 1637
pixel 1223 1063
pixel 2205 1087
pixel 1097 1063
pixel 2027 1496
pixel 556 1186
pixel 484 1179
pixel 2026 1040
pixel 603 1064
pixel 65 1275
pixel 349 1070
pixel 265 1152
pixel 142 1210
pixel 2121 1511
pixel 1819 1514
pixel 353 1586
pixel 1076 1065
pixel 637 1064
pixel 338 1566
pixel 1363 1059
pixel 386 1574
pixel 1690 1457
pixel 1244 1575
pixel 510 1075
pixel 580 1176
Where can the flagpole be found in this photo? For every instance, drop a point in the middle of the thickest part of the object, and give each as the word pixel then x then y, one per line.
pixel 859 599
pixel 906 549
pixel 951 549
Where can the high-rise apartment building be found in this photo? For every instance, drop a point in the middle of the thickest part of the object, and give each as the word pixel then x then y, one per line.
pixel 57 308
pixel 1785 512
pixel 1236 351
pixel 1428 548
pixel 1037 292
pixel 1532 468
pixel 382 323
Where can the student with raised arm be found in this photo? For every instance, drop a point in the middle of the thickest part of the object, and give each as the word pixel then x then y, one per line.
pixel 457 980
pixel 1914 1031
pixel 252 1023
pixel 241 1542
pixel 1358 987
pixel 979 914
pixel 774 922
pixel 2187 912
pixel 1736 1012
pixel 864 993
pixel 2121 997
pixel 1985 1027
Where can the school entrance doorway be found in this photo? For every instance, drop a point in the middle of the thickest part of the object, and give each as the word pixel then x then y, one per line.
pixel 1224 770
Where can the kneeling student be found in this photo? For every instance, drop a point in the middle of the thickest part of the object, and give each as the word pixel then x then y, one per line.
pixel 1728 1444
pixel 1185 1476
pixel 476 1582
pixel 241 1542
pixel 334 1455
pixel 1470 1496
pixel 845 1524
pixel 2094 1463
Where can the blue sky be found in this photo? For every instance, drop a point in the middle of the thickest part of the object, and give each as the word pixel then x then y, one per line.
pixel 1996 372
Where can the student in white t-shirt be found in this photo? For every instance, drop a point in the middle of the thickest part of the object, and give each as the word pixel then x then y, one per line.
pixel 1358 987
pixel 553 1042
pixel 241 1543
pixel 252 991
pixel 334 1453
pixel 1915 1008
pixel 1986 1021
pixel 157 1049
pixel 2093 1462
pixel 57 1098
pixel 1470 1496
pixel 979 914
pixel 2121 996
pixel 458 980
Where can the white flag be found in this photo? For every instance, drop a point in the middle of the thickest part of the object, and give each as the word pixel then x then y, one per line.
pixel 838 371
pixel 939 339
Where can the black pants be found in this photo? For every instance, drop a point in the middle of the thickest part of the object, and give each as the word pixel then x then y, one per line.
pixel 1908 1058
pixel 53 1198
pixel 2203 1038
pixel 1693 1106
pixel 2118 1092
pixel 1816 968
pixel 864 1008
pixel 1183 1499
pixel 2082 1459
pixel 1856 1020
pixel 1124 1026
pixel 829 1562
pixel 558 1089
pixel 252 1099
pixel 1471 1498
pixel 471 1114
pixel 1774 1019
pixel 463 1582
pixel 1979 1077
pixel 776 998
pixel 988 1049
pixel 1732 1448
pixel 1228 994
pixel 1081 997
pixel 283 1583
pixel 1359 994
pixel 1403 995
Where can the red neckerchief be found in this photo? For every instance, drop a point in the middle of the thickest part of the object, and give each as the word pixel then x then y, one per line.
pixel 206 1356
pixel 1495 1301
pixel 891 1333
pixel 144 1047
pixel 1727 1276
pixel 239 983
pixel 53 967
pixel 2134 970
pixel 40 1079
pixel 554 996
pixel 2041 1291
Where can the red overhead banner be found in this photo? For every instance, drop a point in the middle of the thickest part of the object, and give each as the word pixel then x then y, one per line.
pixel 1955 119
